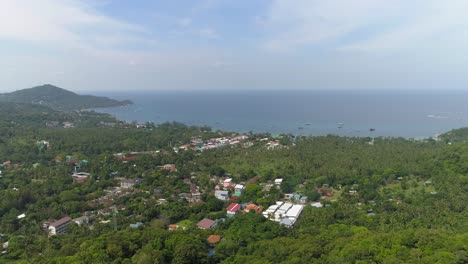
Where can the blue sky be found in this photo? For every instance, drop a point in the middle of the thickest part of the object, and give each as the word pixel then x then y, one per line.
pixel 90 45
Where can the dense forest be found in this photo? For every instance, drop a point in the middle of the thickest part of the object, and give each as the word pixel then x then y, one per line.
pixel 385 200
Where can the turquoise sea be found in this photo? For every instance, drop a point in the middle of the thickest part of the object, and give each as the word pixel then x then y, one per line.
pixel 411 114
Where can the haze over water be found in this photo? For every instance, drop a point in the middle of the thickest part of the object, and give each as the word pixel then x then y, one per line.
pixel 412 114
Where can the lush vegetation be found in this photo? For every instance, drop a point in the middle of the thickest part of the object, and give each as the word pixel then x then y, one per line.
pixel 407 205
pixel 58 98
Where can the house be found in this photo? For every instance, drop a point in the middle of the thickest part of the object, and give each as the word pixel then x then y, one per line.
pixel 173 227
pixel 232 209
pixel 21 216
pixel 68 125
pixel 80 177
pixel 43 144
pixel 253 207
pixel 278 183
pixel 185 147
pixel 222 195
pixel 168 167
pixel 127 183
pixel 227 182
pixel 240 137
pixel 273 144
pixel 187 181
pixel 239 188
pixel 59 226
pixel 303 200
pixel 194 191
pixel 206 223
pixel 85 219
pixel 213 239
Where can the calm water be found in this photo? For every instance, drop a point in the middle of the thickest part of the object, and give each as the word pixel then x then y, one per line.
pixel 391 113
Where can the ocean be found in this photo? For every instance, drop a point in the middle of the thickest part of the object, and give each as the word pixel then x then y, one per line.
pixel 409 114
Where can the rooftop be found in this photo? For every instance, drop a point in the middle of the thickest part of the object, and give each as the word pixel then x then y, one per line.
pixel 60 222
pixel 206 223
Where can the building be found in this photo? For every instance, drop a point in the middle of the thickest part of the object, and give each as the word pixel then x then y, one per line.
pixel 284 213
pixel 278 183
pixel 227 182
pixel 206 223
pixel 80 177
pixel 127 183
pixel 232 209
pixel 168 167
pixel 195 193
pixel 239 188
pixel 59 226
pixel 222 195
pixel 253 207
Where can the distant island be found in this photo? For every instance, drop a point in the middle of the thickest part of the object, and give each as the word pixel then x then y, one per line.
pixel 59 99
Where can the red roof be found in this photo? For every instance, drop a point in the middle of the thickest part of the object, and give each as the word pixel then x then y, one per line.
pixel 234 207
pixel 206 223
pixel 60 222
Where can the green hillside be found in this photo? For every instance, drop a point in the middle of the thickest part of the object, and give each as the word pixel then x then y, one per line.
pixel 58 98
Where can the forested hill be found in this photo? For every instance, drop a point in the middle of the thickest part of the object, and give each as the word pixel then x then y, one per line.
pixel 58 98
pixel 455 135
pixel 21 116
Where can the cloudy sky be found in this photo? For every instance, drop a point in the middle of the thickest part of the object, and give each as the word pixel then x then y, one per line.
pixel 90 45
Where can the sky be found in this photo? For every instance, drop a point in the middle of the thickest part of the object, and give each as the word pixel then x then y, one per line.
pixel 120 45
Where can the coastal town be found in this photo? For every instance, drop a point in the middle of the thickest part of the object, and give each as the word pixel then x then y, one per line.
pixel 227 190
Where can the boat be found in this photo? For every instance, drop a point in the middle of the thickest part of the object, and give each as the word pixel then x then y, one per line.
pixel 372 129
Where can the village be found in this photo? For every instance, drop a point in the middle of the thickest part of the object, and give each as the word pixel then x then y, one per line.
pixel 112 208
pixel 286 211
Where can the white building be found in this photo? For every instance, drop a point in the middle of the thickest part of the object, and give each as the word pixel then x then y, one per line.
pixel 222 195
pixel 284 213
pixel 239 187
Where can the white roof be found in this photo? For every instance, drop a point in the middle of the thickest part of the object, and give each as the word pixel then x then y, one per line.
pixel 279 203
pixel 272 208
pixel 278 180
pixel 295 211
pixel 21 216
pixel 228 180
pixel 317 205
pixel 288 221
pixel 239 186
pixel 285 206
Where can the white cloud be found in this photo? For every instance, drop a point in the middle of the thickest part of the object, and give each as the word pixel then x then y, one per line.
pixel 64 23
pixel 363 24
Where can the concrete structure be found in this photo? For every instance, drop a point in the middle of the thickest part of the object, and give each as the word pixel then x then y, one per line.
pixel 239 188
pixel 284 213
pixel 222 195
pixel 59 226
